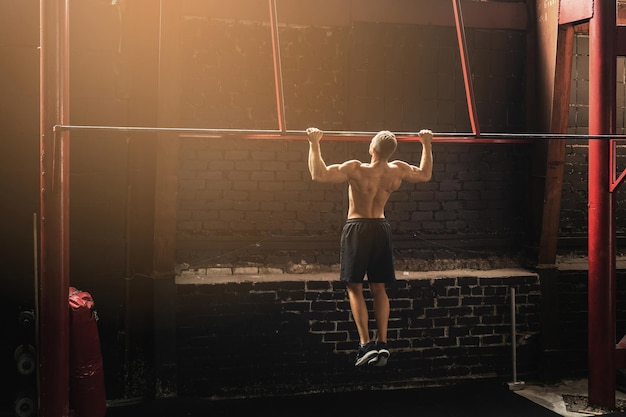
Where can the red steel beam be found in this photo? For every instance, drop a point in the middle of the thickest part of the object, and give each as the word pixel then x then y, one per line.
pixel 601 293
pixel 53 288
pixel 555 148
pixel 467 72
pixel 571 11
pixel 478 14
pixel 615 179
pixel 278 76
pixel 620 50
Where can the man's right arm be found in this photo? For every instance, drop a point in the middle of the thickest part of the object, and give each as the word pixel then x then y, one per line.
pixel 317 167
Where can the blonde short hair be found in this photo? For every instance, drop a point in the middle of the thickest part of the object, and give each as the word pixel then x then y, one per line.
pixel 385 143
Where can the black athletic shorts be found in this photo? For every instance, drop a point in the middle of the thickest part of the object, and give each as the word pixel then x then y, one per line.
pixel 366 248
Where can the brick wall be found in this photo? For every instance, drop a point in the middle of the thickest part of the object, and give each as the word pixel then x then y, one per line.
pixel 569 356
pixel 363 77
pixel 372 76
pixel 253 338
pixel 253 202
pixel 573 227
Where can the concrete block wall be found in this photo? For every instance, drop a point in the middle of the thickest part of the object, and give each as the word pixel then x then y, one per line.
pixel 259 336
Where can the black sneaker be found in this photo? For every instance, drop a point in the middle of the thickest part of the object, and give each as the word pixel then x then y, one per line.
pixel 383 354
pixel 366 354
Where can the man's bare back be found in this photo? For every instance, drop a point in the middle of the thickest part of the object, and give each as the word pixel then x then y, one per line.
pixel 370 184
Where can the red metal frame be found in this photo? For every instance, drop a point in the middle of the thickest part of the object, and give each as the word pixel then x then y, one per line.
pixel 278 77
pixel 571 11
pixel 615 180
pixel 53 308
pixel 601 234
pixel 467 73
pixel 54 231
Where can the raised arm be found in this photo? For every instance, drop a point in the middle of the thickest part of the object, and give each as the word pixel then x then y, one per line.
pixel 424 172
pixel 320 172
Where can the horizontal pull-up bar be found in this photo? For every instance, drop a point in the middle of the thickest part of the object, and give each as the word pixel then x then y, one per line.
pixel 335 135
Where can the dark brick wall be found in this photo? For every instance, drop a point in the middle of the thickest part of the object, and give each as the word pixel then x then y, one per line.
pixel 256 338
pixel 569 358
pixel 238 199
pixel 245 202
pixel 574 220
pixel 363 77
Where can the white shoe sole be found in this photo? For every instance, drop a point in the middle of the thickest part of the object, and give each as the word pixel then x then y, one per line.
pixel 381 360
pixel 367 358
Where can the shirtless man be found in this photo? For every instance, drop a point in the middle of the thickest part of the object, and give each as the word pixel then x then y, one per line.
pixel 366 246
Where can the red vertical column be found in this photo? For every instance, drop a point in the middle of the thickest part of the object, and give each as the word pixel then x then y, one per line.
pixel 53 309
pixel 602 92
pixel 465 64
pixel 278 75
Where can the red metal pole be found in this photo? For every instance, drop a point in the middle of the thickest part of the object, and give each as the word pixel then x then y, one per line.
pixel 467 73
pixel 278 76
pixel 53 309
pixel 602 96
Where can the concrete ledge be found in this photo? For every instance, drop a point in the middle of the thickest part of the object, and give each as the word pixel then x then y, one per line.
pixel 210 276
pixel 581 263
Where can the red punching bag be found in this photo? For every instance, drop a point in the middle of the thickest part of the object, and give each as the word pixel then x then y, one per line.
pixel 87 394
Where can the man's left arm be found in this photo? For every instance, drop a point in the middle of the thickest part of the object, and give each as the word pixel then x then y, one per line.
pixel 424 172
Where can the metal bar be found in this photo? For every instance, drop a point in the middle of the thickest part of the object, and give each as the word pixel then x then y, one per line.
pixel 299 134
pixel 165 199
pixel 54 210
pixel 555 149
pixel 515 385
pixel 36 250
pixel 510 15
pixel 601 292
pixel 618 181
pixel 467 73
pixel 278 76
pixel 514 334
pixel 615 180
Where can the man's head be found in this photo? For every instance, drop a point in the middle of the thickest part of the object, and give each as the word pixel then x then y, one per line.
pixel 384 143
